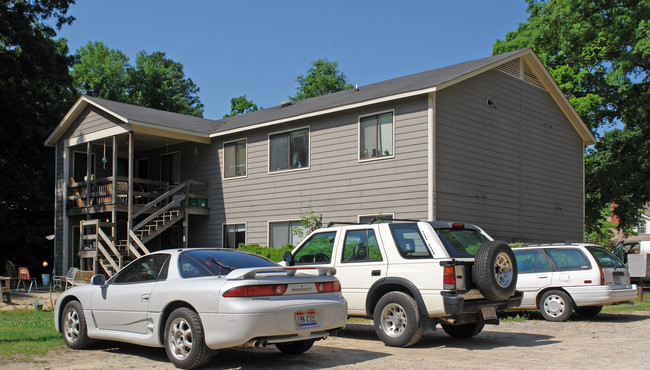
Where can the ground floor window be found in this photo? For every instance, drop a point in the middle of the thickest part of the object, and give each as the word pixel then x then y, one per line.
pixel 285 232
pixel 234 235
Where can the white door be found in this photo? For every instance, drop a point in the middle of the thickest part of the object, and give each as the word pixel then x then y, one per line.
pixel 534 274
pixel 359 266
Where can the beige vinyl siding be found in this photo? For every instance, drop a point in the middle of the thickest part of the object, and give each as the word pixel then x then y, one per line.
pixel 336 185
pixel 89 121
pixel 505 168
pixel 59 204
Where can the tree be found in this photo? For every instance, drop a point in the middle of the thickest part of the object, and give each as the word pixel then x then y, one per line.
pixel 241 105
pixel 160 83
pixel 101 72
pixel 322 78
pixel 599 54
pixel 35 93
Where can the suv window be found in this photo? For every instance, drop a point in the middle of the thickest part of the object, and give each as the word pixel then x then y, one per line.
pixel 361 246
pixel 461 242
pixel 317 249
pixel 568 259
pixel 532 261
pixel 604 258
pixel 409 241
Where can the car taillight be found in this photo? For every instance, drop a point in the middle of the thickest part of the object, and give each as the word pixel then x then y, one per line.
pixel 602 277
pixel 449 278
pixel 256 290
pixel 333 286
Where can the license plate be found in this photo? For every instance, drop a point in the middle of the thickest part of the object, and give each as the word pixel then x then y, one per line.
pixel 305 319
pixel 489 313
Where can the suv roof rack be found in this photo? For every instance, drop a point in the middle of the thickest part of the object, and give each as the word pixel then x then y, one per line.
pixel 332 223
pixel 376 220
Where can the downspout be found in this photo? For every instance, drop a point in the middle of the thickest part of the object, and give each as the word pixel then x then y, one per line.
pixel 129 199
pixel 431 157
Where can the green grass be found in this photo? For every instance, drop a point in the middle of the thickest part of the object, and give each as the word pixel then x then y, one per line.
pixel 25 333
pixel 642 306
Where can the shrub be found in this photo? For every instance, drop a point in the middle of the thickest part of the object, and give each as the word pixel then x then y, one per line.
pixel 274 254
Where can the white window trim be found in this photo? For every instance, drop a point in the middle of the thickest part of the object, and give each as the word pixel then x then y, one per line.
pixel 180 165
pixel 268 162
pixel 223 234
pixel 392 214
pixel 268 228
pixel 223 162
pixel 359 159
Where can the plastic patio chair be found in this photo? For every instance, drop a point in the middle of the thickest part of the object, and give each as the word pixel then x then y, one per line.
pixel 23 277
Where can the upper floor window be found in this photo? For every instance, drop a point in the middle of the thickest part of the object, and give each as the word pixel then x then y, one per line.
pixel 376 136
pixel 234 159
pixel 289 150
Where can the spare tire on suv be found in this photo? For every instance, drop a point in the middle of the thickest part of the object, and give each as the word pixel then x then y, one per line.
pixel 495 270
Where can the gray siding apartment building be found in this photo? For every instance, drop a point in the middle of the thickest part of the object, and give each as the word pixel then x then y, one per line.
pixel 492 142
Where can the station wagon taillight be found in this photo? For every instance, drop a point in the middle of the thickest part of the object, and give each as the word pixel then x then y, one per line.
pixel 332 286
pixel 256 290
pixel 449 278
pixel 602 277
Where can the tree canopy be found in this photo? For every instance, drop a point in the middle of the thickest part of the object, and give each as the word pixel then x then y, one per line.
pixel 322 78
pixel 155 81
pixel 35 92
pixel 241 105
pixel 599 54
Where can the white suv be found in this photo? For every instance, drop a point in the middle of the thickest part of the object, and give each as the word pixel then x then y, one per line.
pixel 408 273
pixel 560 278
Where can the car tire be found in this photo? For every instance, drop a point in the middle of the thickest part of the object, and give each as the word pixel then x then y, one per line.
pixel 464 330
pixel 588 311
pixel 185 340
pixel 397 320
pixel 495 270
pixel 73 325
pixel 295 348
pixel 556 305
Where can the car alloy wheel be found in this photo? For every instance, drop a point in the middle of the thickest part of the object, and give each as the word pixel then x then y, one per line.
pixel 503 271
pixel 393 320
pixel 72 325
pixel 180 338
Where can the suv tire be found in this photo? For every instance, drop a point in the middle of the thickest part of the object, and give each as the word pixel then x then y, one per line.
pixel 397 320
pixel 464 330
pixel 495 270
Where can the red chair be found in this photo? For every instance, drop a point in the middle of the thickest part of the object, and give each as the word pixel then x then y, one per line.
pixel 23 277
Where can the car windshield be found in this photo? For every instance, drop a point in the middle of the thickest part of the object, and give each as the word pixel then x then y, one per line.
pixel 210 262
pixel 605 258
pixel 461 242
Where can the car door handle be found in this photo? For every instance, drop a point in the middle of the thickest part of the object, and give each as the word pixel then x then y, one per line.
pixel 543 276
pixel 375 273
pixel 145 297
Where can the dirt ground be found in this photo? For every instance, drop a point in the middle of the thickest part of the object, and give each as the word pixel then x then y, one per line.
pixel 608 341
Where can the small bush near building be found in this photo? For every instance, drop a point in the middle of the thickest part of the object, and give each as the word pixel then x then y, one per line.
pixel 274 254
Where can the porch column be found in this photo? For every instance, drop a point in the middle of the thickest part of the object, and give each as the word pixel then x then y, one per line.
pixel 89 161
pixel 129 200
pixel 114 186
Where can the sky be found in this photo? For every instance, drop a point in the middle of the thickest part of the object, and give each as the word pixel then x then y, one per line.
pixel 258 48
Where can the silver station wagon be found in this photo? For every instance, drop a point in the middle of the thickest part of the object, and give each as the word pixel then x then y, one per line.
pixel 560 278
pixel 193 301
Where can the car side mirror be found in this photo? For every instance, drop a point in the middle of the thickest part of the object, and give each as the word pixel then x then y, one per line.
pixel 288 258
pixel 98 280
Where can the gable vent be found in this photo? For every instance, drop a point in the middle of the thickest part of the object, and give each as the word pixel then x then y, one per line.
pixel 514 69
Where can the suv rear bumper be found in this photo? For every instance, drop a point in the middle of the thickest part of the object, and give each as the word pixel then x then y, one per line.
pixel 455 305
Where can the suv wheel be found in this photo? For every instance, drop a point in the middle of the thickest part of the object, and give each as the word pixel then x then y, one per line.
pixel 464 330
pixel 495 270
pixel 555 305
pixel 397 320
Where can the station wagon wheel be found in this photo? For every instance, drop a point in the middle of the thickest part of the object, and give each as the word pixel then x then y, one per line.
pixel 397 320
pixel 184 339
pixel 588 311
pixel 73 323
pixel 556 305
pixel 495 271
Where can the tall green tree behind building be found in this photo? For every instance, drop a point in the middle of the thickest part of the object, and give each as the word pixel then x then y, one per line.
pixel 35 92
pixel 322 78
pixel 599 54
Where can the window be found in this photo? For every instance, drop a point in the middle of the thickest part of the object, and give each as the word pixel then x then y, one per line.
pixel 361 246
pixel 233 235
pixel 149 268
pixel 198 263
pixel 376 136
pixel 461 242
pixel 170 168
pixel 380 218
pixel 289 150
pixel 283 233
pixel 532 261
pixel 318 249
pixel 569 259
pixel 409 241
pixel 234 159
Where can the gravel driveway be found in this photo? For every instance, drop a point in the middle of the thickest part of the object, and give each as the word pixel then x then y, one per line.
pixel 608 341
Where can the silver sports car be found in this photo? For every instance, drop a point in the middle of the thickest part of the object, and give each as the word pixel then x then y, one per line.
pixel 192 301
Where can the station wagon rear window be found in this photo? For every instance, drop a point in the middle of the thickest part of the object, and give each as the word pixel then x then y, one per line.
pixel 605 258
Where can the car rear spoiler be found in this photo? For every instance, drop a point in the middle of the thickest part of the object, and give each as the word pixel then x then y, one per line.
pixel 250 273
